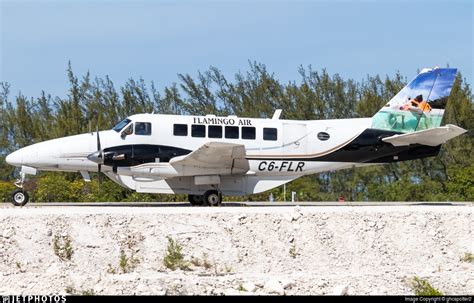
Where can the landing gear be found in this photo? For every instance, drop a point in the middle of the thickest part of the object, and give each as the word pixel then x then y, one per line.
pixel 212 198
pixel 196 200
pixel 20 197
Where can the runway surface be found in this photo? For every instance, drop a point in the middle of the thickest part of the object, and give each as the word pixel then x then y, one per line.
pixel 236 204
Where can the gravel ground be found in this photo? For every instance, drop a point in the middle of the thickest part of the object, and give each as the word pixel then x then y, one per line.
pixel 236 250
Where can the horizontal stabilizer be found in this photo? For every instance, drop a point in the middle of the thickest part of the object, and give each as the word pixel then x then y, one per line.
pixel 430 137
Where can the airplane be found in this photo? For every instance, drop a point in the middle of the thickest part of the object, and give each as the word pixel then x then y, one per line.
pixel 207 157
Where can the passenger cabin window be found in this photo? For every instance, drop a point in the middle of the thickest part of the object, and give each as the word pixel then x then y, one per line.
pixel 121 125
pixel 270 134
pixel 180 129
pixel 198 130
pixel 232 132
pixel 143 128
pixel 214 131
pixel 248 132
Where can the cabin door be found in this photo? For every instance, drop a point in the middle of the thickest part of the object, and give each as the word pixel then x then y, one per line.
pixel 294 139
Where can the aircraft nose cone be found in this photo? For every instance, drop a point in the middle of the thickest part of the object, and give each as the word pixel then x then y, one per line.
pixel 15 158
pixel 96 157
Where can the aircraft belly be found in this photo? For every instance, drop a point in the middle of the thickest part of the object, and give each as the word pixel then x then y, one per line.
pixel 232 186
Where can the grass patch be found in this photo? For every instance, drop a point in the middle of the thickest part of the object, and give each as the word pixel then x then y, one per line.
pixel 423 288
pixel 88 292
pixel 174 258
pixel 293 252
pixel 70 290
pixel 127 264
pixel 228 269
pixel 62 246
pixel 468 257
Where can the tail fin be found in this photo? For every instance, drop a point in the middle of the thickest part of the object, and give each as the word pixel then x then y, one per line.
pixel 419 105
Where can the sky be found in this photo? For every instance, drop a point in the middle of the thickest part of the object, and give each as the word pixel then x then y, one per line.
pixel 156 40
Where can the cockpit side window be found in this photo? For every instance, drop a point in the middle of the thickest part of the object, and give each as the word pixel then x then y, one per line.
pixel 143 128
pixel 121 125
pixel 128 131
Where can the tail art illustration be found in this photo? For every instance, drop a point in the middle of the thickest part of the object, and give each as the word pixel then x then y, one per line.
pixel 419 105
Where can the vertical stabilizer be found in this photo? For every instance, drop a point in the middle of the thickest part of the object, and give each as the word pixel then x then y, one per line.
pixel 419 105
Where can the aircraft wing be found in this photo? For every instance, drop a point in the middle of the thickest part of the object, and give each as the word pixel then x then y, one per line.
pixel 430 137
pixel 214 157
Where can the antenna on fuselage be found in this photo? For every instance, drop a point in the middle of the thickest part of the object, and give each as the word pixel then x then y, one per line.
pixel 277 114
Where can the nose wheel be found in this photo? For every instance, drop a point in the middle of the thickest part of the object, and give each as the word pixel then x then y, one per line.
pixel 20 197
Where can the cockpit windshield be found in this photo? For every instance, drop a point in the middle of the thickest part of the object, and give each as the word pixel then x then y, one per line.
pixel 121 125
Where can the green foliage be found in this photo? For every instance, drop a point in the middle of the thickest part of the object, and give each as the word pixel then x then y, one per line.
pixel 468 257
pixel 96 102
pixel 127 264
pixel 293 251
pixel 6 189
pixel 423 288
pixel 174 258
pixel 88 292
pixel 62 246
pixel 70 290
pixel 55 187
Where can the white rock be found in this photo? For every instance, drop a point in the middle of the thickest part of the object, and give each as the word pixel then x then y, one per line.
pixel 295 216
pixel 340 290
pixel 231 292
pixel 274 287
pixel 286 284
pixel 7 233
pixel 249 286
pixel 288 217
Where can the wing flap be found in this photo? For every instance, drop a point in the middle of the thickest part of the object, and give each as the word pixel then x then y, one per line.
pixel 225 157
pixel 430 137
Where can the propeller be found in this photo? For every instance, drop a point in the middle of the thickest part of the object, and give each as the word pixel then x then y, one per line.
pixel 100 156
pixel 97 156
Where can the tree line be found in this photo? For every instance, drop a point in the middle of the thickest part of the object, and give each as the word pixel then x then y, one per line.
pixel 94 102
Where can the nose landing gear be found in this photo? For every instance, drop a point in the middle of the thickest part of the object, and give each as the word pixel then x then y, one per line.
pixel 19 196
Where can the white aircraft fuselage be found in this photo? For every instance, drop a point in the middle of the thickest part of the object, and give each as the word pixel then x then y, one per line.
pixel 201 155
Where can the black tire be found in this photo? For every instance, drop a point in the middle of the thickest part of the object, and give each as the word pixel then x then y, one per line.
pixel 196 200
pixel 212 198
pixel 20 197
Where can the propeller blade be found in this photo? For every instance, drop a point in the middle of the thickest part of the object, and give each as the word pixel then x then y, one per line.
pixel 98 139
pixel 99 156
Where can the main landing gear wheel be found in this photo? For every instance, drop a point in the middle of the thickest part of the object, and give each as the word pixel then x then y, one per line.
pixel 196 200
pixel 212 198
pixel 20 197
